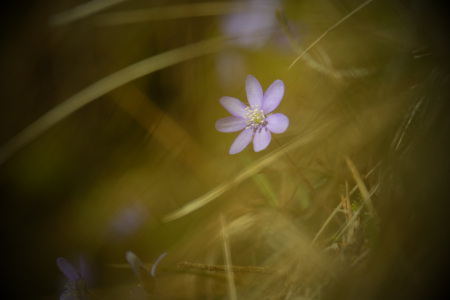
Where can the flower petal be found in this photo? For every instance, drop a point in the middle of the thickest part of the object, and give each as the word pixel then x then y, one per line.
pixel 68 269
pixel 261 140
pixel 83 267
pixel 156 263
pixel 272 96
pixel 243 139
pixel 254 91
pixel 80 286
pixel 231 124
pixel 136 264
pixel 234 106
pixel 277 123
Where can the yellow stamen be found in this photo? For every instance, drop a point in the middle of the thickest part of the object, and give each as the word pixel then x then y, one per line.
pixel 254 116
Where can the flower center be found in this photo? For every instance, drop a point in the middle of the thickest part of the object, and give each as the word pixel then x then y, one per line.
pixel 254 116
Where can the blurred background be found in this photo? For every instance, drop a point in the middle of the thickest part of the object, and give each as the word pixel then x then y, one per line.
pixel 108 145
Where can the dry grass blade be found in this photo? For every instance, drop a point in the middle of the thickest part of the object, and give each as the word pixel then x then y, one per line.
pixel 361 186
pixel 256 167
pixel 82 11
pixel 178 11
pixel 335 211
pixel 166 131
pixel 346 203
pixel 106 85
pixel 398 139
pixel 227 256
pixel 352 221
pixel 328 30
pixel 327 68
pixel 348 239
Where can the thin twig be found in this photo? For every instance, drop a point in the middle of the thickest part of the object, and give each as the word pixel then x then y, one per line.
pixel 222 268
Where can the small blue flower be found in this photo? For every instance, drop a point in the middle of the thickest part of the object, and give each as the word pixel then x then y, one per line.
pixel 146 277
pixel 254 25
pixel 76 286
pixel 255 120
